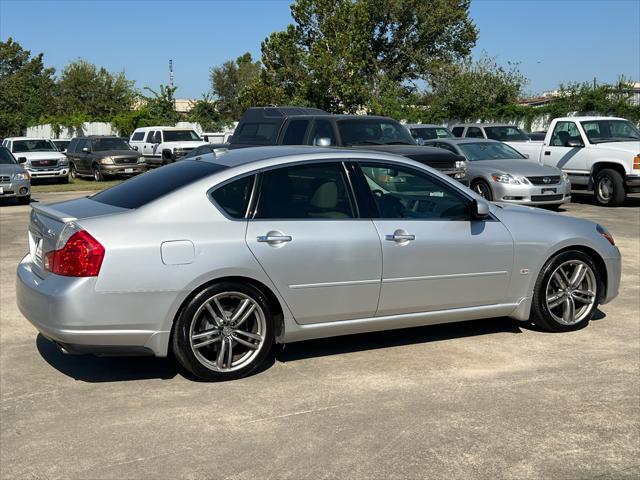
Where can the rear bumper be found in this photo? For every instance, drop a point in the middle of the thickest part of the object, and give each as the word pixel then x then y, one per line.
pixel 71 313
pixel 15 188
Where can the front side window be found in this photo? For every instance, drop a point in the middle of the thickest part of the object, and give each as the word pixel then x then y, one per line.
pixel 6 158
pixel 564 132
pixel 401 192
pixel 234 197
pixel 322 133
pixel 20 146
pixel 295 132
pixel 150 136
pixel 317 191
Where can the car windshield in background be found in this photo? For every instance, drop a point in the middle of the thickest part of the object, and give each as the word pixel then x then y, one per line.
pixel 20 146
pixel 373 132
pixel 601 131
pixel 145 188
pixel 431 133
pixel 505 134
pixel 6 158
pixel 180 136
pixel 105 144
pixel 488 151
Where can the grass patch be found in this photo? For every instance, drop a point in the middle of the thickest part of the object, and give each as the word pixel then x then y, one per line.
pixel 79 184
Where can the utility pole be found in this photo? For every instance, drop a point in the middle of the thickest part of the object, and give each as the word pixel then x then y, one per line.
pixel 171 82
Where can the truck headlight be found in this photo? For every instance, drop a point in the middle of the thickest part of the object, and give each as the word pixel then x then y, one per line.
pixel 63 162
pixel 461 164
pixel 106 161
pixel 21 176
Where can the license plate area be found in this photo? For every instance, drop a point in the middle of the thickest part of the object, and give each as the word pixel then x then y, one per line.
pixel 544 191
pixel 128 170
pixel 35 248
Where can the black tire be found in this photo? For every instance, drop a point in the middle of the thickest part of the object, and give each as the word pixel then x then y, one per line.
pixel 26 200
pixel 541 315
pixel 182 342
pixel 97 174
pixel 73 172
pixel 609 188
pixel 483 189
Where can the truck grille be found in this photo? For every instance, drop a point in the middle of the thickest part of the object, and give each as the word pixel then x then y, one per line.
pixel 5 178
pixel 552 180
pixel 125 160
pixel 44 163
pixel 545 198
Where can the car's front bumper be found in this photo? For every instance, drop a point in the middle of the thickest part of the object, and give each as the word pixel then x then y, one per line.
pixel 531 194
pixel 123 169
pixel 614 273
pixel 49 172
pixel 69 311
pixel 15 188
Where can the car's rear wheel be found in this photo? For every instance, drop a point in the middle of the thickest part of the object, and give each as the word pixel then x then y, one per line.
pixel 224 332
pixel 609 188
pixel 566 292
pixel 483 189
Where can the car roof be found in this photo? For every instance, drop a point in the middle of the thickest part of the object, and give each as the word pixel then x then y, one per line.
pixel 27 138
pixel 586 118
pixel 482 125
pixel 160 127
pixel 427 125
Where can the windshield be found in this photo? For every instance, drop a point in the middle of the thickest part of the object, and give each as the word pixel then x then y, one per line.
pixel 6 158
pixel 104 144
pixel 506 134
pixel 430 133
pixel 20 146
pixel 601 131
pixel 373 132
pixel 488 151
pixel 180 136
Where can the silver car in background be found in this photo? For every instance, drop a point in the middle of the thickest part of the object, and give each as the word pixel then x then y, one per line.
pixel 214 261
pixel 15 181
pixel 498 172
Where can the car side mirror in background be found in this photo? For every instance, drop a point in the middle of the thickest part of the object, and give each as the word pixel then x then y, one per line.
pixel 22 159
pixel 135 148
pixel 479 209
pixel 85 149
pixel 323 142
pixel 573 143
pixel 420 141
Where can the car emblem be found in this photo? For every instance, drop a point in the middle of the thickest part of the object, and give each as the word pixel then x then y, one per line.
pixel 546 180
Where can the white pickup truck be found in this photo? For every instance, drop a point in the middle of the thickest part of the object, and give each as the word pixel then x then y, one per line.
pixel 601 154
pixel 162 145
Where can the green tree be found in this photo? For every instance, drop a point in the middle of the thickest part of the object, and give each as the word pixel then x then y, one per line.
pixel 86 89
pixel 349 55
pixel 161 106
pixel 229 79
pixel 205 112
pixel 26 88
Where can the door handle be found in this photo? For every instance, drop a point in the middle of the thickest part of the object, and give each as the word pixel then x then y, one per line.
pixel 547 152
pixel 271 238
pixel 400 236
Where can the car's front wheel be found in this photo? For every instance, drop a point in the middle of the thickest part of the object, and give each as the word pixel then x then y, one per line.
pixel 566 292
pixel 97 174
pixel 224 332
pixel 609 188
pixel 483 189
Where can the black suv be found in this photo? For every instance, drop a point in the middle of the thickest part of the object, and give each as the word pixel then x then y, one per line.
pixel 101 156
pixel 261 126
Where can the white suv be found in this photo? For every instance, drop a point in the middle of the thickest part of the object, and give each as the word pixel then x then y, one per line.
pixel 162 145
pixel 40 157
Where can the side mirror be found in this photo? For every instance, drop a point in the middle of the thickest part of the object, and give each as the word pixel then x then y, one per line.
pixel 420 141
pixel 323 142
pixel 85 149
pixel 22 159
pixel 135 148
pixel 479 209
pixel 574 143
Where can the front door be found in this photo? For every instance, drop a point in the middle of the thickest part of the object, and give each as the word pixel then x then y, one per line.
pixel 434 256
pixel 325 262
pixel 572 160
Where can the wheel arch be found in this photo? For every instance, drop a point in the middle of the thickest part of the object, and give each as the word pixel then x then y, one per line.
pixel 600 165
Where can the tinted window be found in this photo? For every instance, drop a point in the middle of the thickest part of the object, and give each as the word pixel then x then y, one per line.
pixel 82 143
pixel 137 137
pixel 474 132
pixel 430 133
pixel 457 131
pixel 33 146
pixel 150 136
pixel 234 197
pixel 145 188
pixel 506 134
pixel 373 132
pixel 5 157
pixel 105 144
pixel 257 133
pixel 407 193
pixel 180 136
pixel 72 146
pixel 322 129
pixel 308 191
pixel 295 132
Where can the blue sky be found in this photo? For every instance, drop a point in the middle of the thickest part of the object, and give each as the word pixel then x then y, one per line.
pixel 554 40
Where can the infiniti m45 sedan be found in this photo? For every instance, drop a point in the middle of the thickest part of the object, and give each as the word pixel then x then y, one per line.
pixel 214 261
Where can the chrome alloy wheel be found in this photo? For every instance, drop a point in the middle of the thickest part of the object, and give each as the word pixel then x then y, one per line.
pixel 571 292
pixel 482 190
pixel 227 332
pixel 605 188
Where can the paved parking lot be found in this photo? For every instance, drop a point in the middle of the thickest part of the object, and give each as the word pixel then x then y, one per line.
pixel 484 399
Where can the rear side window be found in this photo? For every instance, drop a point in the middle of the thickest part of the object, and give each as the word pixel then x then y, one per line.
pixel 474 132
pixel 150 186
pixel 457 131
pixel 258 133
pixel 234 197
pixel 137 137
pixel 295 132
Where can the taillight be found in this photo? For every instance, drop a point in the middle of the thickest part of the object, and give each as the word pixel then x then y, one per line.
pixel 605 233
pixel 81 256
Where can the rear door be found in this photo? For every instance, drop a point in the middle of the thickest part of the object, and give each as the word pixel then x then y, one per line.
pixel 80 156
pixel 305 232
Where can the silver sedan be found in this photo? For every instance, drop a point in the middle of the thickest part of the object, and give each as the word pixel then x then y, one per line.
pixel 214 261
pixel 498 172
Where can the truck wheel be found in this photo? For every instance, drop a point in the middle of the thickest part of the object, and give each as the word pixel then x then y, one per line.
pixel 609 188
pixel 73 172
pixel 97 174
pixel 483 189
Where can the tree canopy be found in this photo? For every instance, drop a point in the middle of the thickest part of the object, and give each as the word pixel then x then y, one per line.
pixel 229 79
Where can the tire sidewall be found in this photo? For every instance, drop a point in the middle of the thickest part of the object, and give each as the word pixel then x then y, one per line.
pixel 486 186
pixel 542 315
pixel 181 342
pixel 618 194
